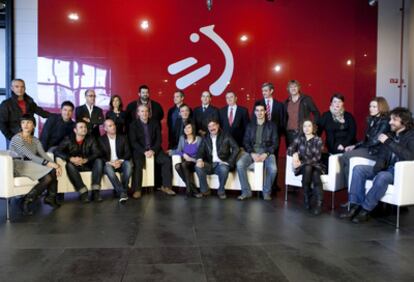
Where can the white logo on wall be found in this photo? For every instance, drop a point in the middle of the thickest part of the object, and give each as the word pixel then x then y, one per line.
pixel 220 84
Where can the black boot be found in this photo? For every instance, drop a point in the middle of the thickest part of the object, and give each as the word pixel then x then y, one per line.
pixel 317 210
pixel 96 196
pixel 353 211
pixel 362 216
pixel 307 194
pixel 84 198
pixel 51 201
pixel 26 209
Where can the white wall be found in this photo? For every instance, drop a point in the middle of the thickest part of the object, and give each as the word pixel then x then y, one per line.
pixel 410 15
pixel 388 55
pixel 2 58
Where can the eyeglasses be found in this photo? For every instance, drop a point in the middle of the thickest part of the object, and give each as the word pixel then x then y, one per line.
pixel 91 96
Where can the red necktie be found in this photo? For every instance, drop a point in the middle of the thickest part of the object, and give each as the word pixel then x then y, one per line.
pixel 231 116
pixel 269 115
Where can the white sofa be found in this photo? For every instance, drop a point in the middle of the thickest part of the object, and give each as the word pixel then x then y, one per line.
pixel 254 176
pixel 332 182
pixel 11 186
pixel 401 193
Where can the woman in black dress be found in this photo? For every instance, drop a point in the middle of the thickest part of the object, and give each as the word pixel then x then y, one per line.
pixel 306 152
pixel 117 114
pixel 339 126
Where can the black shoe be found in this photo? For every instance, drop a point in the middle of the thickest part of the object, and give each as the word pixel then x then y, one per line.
pixel 351 213
pixel 363 216
pixel 306 203
pixel 84 198
pixel 51 201
pixel 26 210
pixel 206 194
pixel 96 196
pixel 317 210
pixel 344 205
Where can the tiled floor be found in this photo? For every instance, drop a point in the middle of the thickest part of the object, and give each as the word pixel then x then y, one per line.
pixel 161 238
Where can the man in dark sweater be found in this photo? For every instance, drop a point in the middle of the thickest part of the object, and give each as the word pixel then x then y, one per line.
pixel 13 108
pixel 397 146
pixel 298 107
pixel 57 127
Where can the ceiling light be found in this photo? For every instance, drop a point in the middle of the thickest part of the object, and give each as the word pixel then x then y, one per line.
pixel 73 16
pixel 144 24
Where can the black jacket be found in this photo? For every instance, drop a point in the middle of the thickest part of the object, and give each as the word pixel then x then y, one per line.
pixel 227 149
pixel 68 148
pixel 307 110
pixel 201 118
pixel 403 150
pixel 278 114
pixel 96 119
pixel 270 138
pixel 240 121
pixel 337 133
pixel 10 114
pixel 55 130
pixel 121 146
pixel 119 120
pixel 137 138
pixel 157 113
pixel 375 127
pixel 174 128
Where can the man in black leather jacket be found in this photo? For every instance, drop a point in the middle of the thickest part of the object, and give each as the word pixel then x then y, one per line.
pixel 260 142
pixel 397 146
pixel 216 155
pixel 81 153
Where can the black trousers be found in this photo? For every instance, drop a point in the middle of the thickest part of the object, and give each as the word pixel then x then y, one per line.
pixel 166 170
pixel 311 175
pixel 186 171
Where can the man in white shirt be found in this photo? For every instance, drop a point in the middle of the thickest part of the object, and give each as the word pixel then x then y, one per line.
pixel 217 154
pixel 91 114
pixel 116 154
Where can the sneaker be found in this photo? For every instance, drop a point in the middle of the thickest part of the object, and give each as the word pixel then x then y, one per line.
pixel 243 197
pixel 84 198
pixel 167 190
pixel 123 198
pixel 137 195
pixel 267 197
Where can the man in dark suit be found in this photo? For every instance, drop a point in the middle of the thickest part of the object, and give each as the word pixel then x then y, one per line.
pixel 204 113
pixel 155 110
pixel 116 155
pixel 234 119
pixel 173 118
pixel 91 114
pixel 145 140
pixel 57 127
pixel 178 130
pixel 13 108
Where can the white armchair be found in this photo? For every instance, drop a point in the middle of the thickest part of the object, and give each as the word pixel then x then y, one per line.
pixel 332 182
pixel 254 176
pixel 401 193
pixel 65 186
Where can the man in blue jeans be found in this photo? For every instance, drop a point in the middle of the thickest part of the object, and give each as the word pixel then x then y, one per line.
pixel 397 146
pixel 216 155
pixel 116 154
pixel 260 142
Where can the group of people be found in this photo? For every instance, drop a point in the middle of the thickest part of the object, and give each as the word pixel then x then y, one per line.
pixel 209 141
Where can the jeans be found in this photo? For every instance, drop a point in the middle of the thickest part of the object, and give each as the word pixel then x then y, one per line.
pixel 222 170
pixel 121 187
pixel 75 178
pixel 382 179
pixel 166 170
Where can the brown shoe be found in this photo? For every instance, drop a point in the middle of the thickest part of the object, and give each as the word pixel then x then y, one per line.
pixel 206 194
pixel 168 191
pixel 136 195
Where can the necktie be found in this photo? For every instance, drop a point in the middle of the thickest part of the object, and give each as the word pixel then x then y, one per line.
pixel 268 114
pixel 231 116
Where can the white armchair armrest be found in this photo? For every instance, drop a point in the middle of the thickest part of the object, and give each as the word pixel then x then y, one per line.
pixel 403 183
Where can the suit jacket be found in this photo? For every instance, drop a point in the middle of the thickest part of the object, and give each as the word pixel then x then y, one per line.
pixel 157 113
pixel 10 114
pixel 55 130
pixel 201 118
pixel 96 119
pixel 121 146
pixel 278 114
pixel 240 122
pixel 174 130
pixel 137 138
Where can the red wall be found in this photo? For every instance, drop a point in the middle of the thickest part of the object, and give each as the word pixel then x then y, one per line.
pixel 311 40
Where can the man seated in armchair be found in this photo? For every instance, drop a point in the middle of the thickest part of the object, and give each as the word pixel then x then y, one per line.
pixel 397 146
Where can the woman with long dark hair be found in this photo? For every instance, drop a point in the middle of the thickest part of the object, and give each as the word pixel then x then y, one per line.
pixel 117 114
pixel 30 160
pixel 306 151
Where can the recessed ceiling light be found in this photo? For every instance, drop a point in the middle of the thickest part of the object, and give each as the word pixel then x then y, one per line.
pixel 144 24
pixel 73 16
pixel 244 38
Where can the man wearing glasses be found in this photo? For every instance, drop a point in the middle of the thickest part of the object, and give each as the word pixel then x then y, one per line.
pixel 91 114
